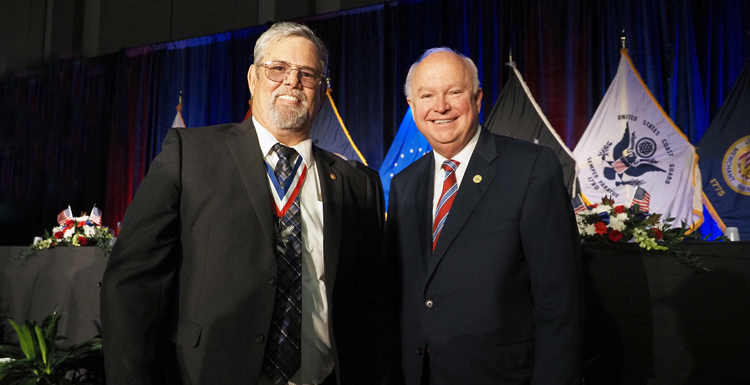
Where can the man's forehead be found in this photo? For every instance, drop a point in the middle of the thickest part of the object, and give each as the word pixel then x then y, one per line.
pixel 291 50
pixel 420 86
pixel 441 74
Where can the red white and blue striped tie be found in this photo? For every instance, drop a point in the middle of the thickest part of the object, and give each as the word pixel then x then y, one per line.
pixel 450 187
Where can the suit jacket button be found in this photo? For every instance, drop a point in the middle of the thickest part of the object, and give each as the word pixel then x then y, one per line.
pixel 273 281
pixel 429 303
pixel 259 339
pixel 419 351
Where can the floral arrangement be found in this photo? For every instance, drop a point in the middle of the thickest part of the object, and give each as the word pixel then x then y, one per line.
pixel 74 231
pixel 610 223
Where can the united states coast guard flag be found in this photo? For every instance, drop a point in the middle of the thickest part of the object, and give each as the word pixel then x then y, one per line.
pixel 725 159
pixel 631 143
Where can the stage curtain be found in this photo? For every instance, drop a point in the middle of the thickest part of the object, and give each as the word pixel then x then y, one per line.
pixel 70 136
pixel 55 140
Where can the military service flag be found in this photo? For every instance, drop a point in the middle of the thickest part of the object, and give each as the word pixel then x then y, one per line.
pixel 725 159
pixel 516 114
pixel 631 143
pixel 408 146
pixel 329 133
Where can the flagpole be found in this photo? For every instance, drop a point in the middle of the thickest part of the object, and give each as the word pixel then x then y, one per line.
pixel 622 38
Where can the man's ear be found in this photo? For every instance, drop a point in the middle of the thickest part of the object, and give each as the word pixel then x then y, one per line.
pixel 411 105
pixel 479 100
pixel 252 77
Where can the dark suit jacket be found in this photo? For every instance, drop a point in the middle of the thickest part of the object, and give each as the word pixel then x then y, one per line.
pixel 189 288
pixel 503 281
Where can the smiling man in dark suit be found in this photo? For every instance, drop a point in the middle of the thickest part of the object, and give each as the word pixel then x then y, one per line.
pixel 488 245
pixel 248 255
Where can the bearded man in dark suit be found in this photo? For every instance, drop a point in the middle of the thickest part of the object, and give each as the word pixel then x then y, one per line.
pixel 488 245
pixel 248 255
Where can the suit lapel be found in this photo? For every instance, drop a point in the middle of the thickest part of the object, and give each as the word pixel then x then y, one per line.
pixel 333 202
pixel 422 203
pixel 468 195
pixel 245 149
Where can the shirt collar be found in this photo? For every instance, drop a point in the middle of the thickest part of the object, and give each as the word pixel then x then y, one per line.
pixel 464 155
pixel 267 140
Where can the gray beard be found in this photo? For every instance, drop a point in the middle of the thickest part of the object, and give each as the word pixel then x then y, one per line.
pixel 288 118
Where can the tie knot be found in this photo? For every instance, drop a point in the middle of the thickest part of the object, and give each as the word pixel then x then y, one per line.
pixel 284 152
pixel 450 165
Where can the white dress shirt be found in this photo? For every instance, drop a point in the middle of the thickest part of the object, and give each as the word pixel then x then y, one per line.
pixel 463 158
pixel 317 358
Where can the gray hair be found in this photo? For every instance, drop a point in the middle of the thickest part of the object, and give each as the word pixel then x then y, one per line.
pixel 284 30
pixel 469 64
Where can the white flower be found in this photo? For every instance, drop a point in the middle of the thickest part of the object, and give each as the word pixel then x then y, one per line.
pixel 590 230
pixel 617 222
pixel 69 232
pixel 89 231
pixel 57 229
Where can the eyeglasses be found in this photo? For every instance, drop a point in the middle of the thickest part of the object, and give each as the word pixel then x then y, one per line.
pixel 277 71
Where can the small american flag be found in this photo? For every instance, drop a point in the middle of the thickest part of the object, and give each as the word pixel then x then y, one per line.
pixel 64 216
pixel 642 198
pixel 96 216
pixel 578 205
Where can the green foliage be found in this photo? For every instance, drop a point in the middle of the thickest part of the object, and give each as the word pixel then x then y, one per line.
pixel 40 362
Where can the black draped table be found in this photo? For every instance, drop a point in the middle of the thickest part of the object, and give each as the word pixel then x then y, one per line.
pixel 649 319
pixel 652 320
pixel 63 278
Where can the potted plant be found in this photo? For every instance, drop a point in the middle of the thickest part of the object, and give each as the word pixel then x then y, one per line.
pixel 40 362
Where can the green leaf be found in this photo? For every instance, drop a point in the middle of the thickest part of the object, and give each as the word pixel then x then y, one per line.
pixel 42 343
pixel 24 338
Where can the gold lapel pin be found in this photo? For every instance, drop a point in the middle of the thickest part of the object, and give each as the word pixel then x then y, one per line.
pixel 477 178
pixel 333 176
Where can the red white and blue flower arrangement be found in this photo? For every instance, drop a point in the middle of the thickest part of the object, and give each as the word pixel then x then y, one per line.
pixel 607 222
pixel 86 230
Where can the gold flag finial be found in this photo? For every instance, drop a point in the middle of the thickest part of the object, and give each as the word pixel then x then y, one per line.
pixel 622 38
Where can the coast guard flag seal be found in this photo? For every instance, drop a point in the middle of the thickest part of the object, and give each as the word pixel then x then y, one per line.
pixel 725 159
pixel 631 143
pixel 516 114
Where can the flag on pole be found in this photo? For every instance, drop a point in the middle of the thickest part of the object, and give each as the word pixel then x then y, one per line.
pixel 725 160
pixel 641 198
pixel 408 146
pixel 65 216
pixel 329 133
pixel 631 143
pixel 96 216
pixel 578 204
pixel 178 121
pixel 249 109
pixel 516 114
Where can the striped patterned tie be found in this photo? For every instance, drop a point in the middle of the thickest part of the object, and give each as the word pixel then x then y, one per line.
pixel 283 355
pixel 450 187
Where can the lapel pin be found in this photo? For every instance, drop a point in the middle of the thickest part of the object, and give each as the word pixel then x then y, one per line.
pixel 333 176
pixel 477 178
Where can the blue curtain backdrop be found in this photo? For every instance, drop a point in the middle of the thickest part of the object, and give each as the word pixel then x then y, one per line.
pixel 85 131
